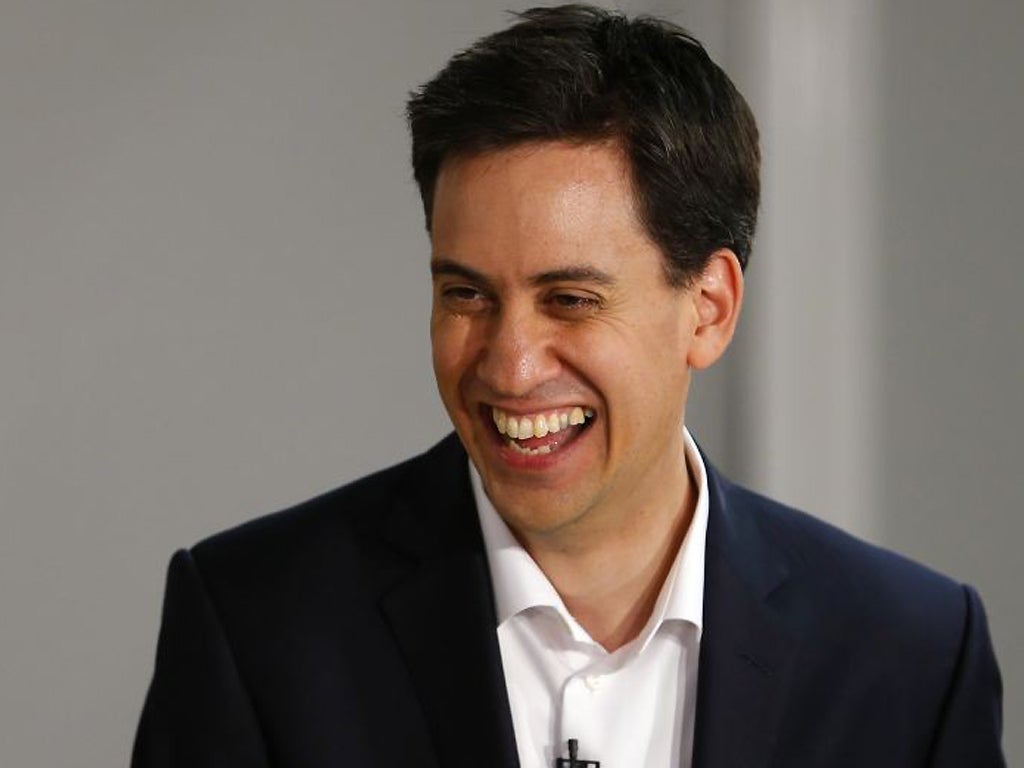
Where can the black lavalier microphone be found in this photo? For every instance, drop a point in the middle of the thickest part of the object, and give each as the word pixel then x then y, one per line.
pixel 573 761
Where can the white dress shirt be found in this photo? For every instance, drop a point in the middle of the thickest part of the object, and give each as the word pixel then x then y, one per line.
pixel 632 708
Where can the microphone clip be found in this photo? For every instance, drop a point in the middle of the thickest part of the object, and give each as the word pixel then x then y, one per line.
pixel 573 761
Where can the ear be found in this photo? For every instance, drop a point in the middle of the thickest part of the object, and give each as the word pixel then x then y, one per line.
pixel 717 295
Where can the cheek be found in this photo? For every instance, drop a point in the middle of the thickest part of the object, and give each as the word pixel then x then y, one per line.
pixel 622 356
pixel 639 371
pixel 451 353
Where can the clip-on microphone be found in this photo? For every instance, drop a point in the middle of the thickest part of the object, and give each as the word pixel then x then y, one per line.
pixel 573 761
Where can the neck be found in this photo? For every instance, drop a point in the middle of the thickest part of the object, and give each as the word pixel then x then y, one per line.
pixel 610 570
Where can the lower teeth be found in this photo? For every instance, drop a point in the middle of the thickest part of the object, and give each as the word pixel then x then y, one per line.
pixel 544 449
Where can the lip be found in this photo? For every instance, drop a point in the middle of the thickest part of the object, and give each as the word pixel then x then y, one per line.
pixel 529 409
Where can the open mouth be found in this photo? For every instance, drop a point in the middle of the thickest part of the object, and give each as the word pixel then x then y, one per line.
pixel 542 433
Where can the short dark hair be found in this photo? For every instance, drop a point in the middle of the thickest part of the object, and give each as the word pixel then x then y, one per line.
pixel 579 73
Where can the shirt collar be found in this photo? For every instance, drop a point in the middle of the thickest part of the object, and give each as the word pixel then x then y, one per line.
pixel 519 584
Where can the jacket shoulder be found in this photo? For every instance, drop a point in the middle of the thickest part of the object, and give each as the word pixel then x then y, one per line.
pixel 888 651
pixel 864 581
pixel 333 527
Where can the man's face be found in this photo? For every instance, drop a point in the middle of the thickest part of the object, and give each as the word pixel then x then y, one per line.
pixel 550 304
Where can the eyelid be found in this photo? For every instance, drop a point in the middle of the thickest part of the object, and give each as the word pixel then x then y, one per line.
pixel 448 287
pixel 460 287
pixel 580 299
pixel 463 296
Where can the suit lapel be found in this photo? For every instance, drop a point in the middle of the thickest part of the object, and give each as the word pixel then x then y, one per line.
pixel 442 615
pixel 747 655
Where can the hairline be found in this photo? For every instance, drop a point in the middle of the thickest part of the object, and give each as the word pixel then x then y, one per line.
pixel 617 140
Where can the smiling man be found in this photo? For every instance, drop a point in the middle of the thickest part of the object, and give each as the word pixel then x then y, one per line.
pixel 569 575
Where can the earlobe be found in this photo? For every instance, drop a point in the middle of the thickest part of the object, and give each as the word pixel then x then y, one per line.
pixel 718 296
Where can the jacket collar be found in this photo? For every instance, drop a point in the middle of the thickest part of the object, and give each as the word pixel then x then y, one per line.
pixel 442 614
pixel 747 655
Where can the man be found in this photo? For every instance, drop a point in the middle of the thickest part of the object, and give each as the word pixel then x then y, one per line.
pixel 569 569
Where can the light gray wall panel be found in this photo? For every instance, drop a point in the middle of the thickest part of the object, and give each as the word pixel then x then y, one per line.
pixel 953 351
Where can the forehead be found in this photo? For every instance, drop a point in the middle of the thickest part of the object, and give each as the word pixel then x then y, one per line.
pixel 537 205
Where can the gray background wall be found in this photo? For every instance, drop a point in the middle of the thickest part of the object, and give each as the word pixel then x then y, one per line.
pixel 213 298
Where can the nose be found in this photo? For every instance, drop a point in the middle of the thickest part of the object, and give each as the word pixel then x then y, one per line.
pixel 517 356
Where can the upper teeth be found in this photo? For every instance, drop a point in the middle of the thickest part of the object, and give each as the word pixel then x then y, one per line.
pixel 539 424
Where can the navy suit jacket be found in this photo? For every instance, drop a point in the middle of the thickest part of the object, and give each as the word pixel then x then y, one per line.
pixel 358 630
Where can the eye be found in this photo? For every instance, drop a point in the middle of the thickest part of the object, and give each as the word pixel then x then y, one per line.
pixel 461 292
pixel 461 297
pixel 573 302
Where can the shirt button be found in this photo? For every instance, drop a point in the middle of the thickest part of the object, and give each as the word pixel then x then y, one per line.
pixel 593 682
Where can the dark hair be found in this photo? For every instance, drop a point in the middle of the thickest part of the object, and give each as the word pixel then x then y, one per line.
pixel 579 73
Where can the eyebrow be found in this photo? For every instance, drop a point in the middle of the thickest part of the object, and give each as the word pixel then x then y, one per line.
pixel 570 274
pixel 440 267
pixel 578 274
